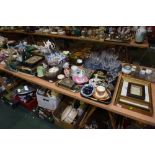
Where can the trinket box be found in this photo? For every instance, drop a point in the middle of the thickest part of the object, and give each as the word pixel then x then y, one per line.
pixel 32 61
pixel 67 83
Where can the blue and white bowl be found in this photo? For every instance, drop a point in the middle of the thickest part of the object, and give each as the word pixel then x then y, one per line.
pixel 127 69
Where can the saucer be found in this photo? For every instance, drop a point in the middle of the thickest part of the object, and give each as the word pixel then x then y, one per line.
pixel 61 76
pixel 54 33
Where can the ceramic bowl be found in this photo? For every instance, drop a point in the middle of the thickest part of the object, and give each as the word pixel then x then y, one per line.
pixel 127 69
pixel 148 71
pixel 142 72
pixel 80 79
pixel 61 32
pixel 87 90
pixel 46 30
pixel 61 76
pixel 53 72
pixel 134 68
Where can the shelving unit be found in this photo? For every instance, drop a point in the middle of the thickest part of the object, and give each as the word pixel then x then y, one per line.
pixel 112 107
pixel 130 44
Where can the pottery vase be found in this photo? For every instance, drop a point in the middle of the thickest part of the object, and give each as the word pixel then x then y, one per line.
pixel 140 34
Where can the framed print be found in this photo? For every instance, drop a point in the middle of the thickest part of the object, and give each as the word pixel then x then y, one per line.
pixel 136 91
pixel 135 94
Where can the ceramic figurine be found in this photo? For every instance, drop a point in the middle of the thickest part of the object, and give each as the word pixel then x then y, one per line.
pixel 74 70
pixel 49 45
pixel 40 71
pixel 119 30
pixel 96 31
pixel 83 33
pixel 123 33
pixel 66 53
pixel 127 30
pixel 110 30
pixel 94 81
pixel 89 33
pixel 66 69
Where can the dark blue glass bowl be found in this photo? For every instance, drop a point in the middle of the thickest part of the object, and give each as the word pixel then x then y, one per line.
pixel 87 90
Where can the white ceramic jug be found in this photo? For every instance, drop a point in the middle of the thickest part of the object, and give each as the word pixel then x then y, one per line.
pixel 140 34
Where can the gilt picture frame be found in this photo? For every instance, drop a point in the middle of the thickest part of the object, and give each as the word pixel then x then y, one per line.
pixel 135 94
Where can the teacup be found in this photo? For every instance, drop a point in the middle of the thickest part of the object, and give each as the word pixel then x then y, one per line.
pixel 134 68
pixel 101 93
pixel 142 71
pixel 100 90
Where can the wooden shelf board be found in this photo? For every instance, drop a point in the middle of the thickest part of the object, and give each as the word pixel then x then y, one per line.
pixel 111 107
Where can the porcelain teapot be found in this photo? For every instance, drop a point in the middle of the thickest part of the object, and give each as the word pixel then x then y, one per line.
pixel 140 34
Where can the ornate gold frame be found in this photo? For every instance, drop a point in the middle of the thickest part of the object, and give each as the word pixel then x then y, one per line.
pixel 131 99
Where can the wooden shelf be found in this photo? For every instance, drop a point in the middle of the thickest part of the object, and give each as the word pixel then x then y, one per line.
pixel 111 107
pixel 131 44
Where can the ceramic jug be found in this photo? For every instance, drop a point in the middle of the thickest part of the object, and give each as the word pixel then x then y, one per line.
pixel 140 34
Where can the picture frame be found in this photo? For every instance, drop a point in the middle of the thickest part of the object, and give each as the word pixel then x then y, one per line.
pixel 136 91
pixel 135 94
